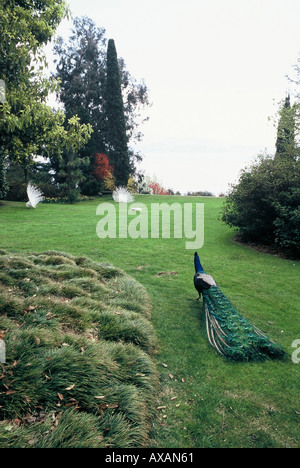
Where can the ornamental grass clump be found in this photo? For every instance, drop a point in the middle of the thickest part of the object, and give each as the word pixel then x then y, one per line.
pixel 79 343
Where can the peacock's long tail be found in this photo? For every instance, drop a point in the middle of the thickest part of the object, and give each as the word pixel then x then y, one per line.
pixel 232 335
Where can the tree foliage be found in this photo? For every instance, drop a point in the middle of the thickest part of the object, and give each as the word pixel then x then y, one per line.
pixel 80 68
pixel 82 71
pixel 25 27
pixel 101 167
pixel 286 131
pixel 116 138
pixel 264 205
pixel 156 188
pixel 3 180
pixel 27 125
pixel 70 174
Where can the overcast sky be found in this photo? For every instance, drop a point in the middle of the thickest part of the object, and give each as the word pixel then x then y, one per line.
pixel 215 70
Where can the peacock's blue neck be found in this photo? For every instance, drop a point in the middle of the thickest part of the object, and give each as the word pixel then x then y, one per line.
pixel 198 266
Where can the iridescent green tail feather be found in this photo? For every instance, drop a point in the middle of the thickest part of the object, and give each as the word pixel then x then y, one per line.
pixel 232 335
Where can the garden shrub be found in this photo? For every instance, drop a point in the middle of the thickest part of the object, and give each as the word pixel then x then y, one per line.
pixel 264 205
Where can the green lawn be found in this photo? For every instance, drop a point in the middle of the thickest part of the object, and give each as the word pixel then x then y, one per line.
pixel 209 402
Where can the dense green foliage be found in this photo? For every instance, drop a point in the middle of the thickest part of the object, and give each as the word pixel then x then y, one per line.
pixel 286 132
pixel 3 180
pixel 72 138
pixel 264 205
pixel 116 127
pixel 25 27
pixel 27 125
pixel 78 369
pixel 39 173
pixel 83 70
pixel 70 164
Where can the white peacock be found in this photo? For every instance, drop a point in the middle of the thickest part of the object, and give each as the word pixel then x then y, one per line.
pixel 122 195
pixel 35 196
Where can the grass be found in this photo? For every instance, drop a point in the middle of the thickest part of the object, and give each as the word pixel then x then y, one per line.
pixel 205 400
pixel 78 370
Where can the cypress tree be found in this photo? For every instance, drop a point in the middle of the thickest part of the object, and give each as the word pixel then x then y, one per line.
pixel 116 138
pixel 285 142
pixel 82 72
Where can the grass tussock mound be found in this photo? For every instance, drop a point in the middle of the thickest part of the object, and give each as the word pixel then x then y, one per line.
pixel 78 340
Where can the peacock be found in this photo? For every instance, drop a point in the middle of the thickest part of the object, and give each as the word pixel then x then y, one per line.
pixel 231 334
pixel 35 196
pixel 122 195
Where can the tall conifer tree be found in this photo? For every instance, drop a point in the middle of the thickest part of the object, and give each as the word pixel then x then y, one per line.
pixel 116 138
pixel 82 71
pixel 285 142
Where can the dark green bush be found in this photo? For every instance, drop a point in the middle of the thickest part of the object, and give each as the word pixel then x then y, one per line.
pixel 264 205
pixel 90 187
pixel 16 191
pixel 287 224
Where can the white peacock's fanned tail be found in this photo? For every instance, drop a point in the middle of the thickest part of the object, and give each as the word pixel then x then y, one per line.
pixel 35 195
pixel 122 195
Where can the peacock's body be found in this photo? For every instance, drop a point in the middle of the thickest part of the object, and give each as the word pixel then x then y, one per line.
pixel 231 334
